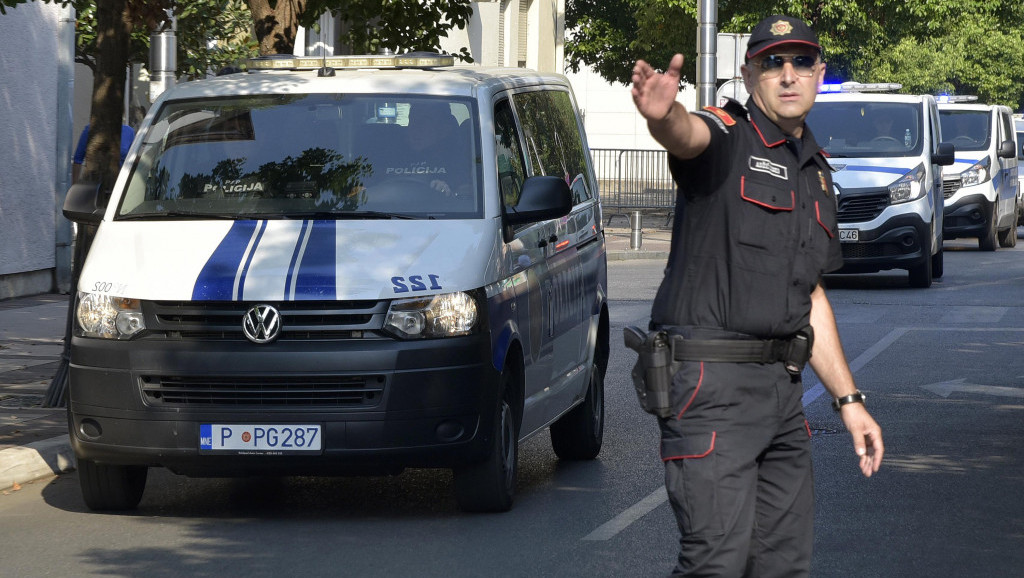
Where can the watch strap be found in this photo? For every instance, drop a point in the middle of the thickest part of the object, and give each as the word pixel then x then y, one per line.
pixel 856 397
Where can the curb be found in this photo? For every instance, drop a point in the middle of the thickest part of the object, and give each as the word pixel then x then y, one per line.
pixel 636 254
pixel 36 460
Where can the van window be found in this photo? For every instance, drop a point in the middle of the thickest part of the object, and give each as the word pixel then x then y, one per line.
pixel 968 130
pixel 511 171
pixel 552 138
pixel 868 129
pixel 311 155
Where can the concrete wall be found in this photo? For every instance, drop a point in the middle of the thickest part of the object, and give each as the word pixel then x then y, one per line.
pixel 28 139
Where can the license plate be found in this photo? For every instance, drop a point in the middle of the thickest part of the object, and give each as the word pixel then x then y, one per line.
pixel 849 235
pixel 260 439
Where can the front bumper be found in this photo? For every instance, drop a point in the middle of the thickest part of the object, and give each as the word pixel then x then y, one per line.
pixel 382 404
pixel 901 242
pixel 968 216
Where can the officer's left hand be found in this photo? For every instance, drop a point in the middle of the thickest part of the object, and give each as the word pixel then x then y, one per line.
pixel 867 436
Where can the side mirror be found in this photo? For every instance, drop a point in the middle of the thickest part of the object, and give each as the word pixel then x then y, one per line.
pixel 542 198
pixel 1006 150
pixel 943 154
pixel 81 205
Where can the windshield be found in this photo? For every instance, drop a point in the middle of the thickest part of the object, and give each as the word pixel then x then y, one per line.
pixel 867 129
pixel 305 156
pixel 968 130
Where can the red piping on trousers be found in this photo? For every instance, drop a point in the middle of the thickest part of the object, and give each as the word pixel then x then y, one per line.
pixel 700 380
pixel 808 426
pixel 714 435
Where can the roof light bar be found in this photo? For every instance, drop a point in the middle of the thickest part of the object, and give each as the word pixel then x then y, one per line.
pixel 277 62
pixel 860 87
pixel 943 98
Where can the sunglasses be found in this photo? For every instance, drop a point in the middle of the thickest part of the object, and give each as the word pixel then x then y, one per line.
pixel 803 65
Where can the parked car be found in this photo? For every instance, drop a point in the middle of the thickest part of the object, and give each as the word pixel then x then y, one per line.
pixel 981 187
pixel 886 151
pixel 287 281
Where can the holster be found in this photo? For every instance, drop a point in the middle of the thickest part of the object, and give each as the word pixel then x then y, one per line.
pixel 653 371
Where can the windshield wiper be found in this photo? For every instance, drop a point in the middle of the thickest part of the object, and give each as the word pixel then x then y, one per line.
pixel 179 215
pixel 339 215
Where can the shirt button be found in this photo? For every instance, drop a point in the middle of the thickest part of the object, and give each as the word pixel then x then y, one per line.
pixel 796 283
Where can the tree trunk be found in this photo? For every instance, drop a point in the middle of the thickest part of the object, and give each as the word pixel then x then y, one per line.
pixel 276 27
pixel 113 36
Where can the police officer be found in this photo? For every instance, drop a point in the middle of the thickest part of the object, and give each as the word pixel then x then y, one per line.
pixel 755 229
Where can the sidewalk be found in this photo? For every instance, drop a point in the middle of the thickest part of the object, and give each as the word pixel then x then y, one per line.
pixel 34 440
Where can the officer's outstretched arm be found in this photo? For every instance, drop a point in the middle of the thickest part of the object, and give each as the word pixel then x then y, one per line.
pixel 654 94
pixel 829 363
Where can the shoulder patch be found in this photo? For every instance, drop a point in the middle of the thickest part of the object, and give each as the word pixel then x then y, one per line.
pixel 726 117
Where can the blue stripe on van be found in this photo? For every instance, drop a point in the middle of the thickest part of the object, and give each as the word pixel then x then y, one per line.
pixel 248 261
pixel 870 169
pixel 316 268
pixel 217 278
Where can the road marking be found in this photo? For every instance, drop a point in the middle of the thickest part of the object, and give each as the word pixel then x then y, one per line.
pixel 947 388
pixel 863 359
pixel 656 498
pixel 638 510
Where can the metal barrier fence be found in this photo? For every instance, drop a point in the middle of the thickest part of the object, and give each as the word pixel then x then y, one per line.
pixel 634 179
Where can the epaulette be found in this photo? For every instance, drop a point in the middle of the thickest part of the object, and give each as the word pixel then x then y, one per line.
pixel 724 116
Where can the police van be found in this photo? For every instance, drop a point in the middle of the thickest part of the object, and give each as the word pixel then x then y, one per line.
pixel 349 265
pixel 886 151
pixel 980 187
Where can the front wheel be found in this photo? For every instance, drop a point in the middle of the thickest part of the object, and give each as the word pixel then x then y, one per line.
pixel 111 487
pixel 987 242
pixel 921 275
pixel 490 485
pixel 578 435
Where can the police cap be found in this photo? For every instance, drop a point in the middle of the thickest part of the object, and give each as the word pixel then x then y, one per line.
pixel 777 29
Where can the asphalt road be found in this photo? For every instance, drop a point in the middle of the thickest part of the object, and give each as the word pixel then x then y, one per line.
pixel 943 369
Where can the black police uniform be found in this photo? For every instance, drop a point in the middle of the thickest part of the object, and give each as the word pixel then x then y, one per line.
pixel 755 228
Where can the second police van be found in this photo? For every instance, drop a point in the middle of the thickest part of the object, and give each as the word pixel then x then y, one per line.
pixel 980 187
pixel 886 152
pixel 388 262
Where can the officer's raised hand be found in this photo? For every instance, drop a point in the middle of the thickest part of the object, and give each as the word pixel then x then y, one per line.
pixel 654 94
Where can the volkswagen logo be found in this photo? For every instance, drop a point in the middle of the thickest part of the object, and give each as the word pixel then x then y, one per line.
pixel 261 324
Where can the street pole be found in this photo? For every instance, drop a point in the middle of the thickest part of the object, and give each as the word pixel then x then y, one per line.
pixel 163 55
pixel 707 68
pixel 65 136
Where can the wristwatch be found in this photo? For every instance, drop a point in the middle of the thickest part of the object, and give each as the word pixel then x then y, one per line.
pixel 839 402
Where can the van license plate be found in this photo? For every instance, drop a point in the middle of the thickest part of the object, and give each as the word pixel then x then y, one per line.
pixel 260 439
pixel 849 235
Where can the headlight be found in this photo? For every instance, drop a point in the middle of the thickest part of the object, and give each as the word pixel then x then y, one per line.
pixel 445 315
pixel 909 187
pixel 108 317
pixel 977 174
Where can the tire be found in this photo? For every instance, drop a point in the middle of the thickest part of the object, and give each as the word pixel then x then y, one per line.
pixel 937 264
pixel 111 487
pixel 921 275
pixel 489 486
pixel 987 242
pixel 578 434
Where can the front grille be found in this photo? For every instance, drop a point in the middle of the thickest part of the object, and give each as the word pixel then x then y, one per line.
pixel 264 391
pixel 950 187
pixel 856 208
pixel 300 320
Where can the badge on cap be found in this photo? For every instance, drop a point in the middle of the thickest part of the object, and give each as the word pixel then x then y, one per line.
pixel 781 28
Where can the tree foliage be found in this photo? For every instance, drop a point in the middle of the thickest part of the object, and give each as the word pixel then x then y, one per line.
pixel 963 46
pixel 367 25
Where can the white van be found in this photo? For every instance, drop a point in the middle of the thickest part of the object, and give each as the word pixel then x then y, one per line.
pixel 886 152
pixel 390 263
pixel 981 188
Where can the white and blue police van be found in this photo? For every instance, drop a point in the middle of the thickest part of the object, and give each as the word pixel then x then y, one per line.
pixel 349 265
pixel 980 187
pixel 886 151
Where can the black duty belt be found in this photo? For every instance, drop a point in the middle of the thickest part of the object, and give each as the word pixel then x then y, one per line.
pixel 794 350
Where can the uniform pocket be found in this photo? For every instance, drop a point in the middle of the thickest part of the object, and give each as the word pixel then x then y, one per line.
pixel 766 213
pixel 691 478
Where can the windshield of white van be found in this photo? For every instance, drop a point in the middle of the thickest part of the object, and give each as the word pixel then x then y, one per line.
pixel 968 130
pixel 867 129
pixel 290 156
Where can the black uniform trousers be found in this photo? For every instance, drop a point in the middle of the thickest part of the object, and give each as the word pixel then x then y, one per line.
pixel 737 458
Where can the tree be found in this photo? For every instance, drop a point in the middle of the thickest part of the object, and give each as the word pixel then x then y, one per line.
pixel 910 41
pixel 367 25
